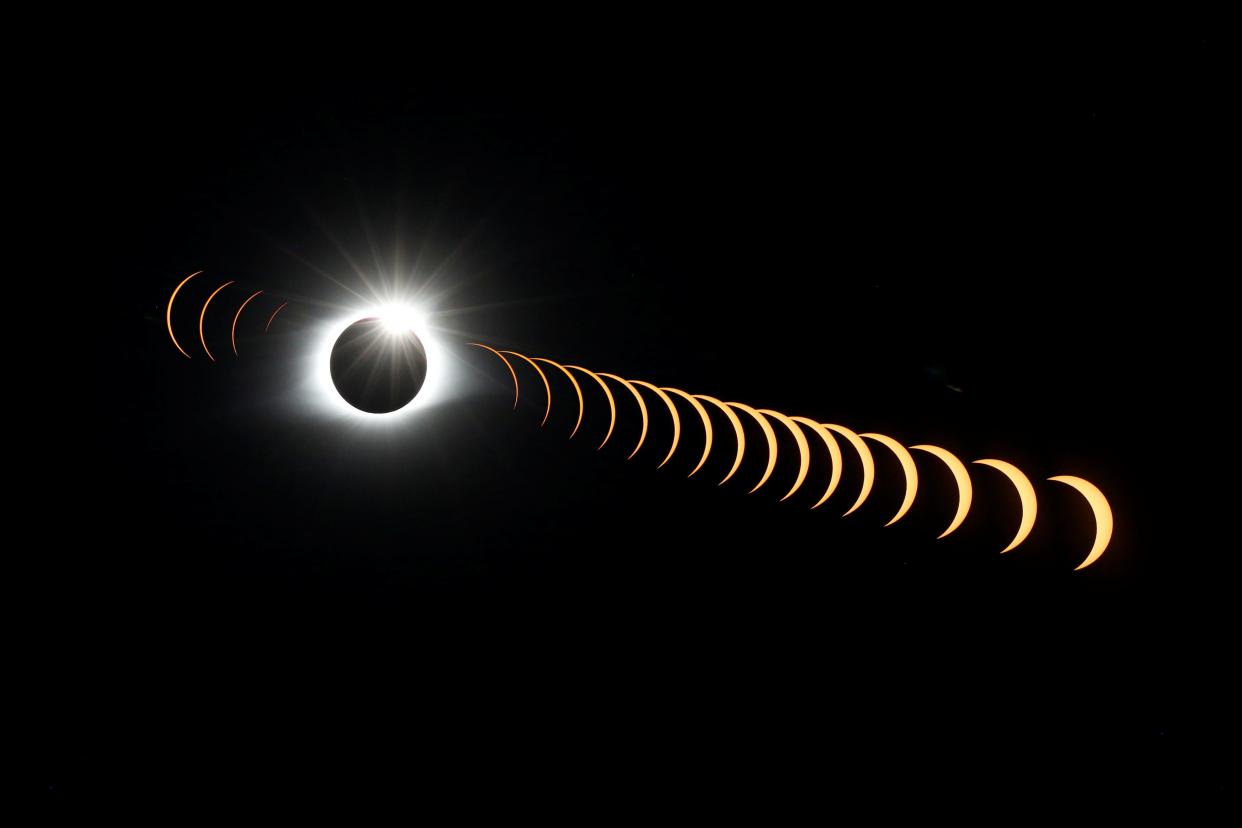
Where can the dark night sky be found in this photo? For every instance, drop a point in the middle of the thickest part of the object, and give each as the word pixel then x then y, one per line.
pixel 243 595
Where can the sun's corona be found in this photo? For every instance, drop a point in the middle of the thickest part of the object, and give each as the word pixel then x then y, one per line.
pixel 379 365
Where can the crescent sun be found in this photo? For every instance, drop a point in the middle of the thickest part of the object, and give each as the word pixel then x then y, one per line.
pixel 672 410
pixel 203 315
pixel 612 404
pixel 907 467
pixel 1100 508
pixel 864 456
pixel 965 492
pixel 577 390
pixel 1026 495
pixel 272 318
pixel 508 365
pixel 738 433
pixel 168 312
pixel 804 450
pixel 546 386
pixel 768 433
pixel 236 316
pixel 642 408
pixel 834 452
pixel 707 425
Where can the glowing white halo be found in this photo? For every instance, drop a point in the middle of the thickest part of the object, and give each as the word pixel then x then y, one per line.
pixel 396 317
pixel 401 318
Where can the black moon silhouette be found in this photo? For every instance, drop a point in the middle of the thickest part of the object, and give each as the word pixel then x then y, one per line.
pixel 377 366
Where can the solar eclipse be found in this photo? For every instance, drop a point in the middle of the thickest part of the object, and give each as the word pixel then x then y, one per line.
pixel 378 365
pixel 376 362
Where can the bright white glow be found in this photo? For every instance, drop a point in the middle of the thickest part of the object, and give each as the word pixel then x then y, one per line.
pixel 395 317
pixel 401 318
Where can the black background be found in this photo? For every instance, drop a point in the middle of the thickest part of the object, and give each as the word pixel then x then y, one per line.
pixel 1005 246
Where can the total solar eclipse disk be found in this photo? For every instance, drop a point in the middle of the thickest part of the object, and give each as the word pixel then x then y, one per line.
pixel 378 365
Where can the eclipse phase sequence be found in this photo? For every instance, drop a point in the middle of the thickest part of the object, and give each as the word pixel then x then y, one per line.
pixel 377 364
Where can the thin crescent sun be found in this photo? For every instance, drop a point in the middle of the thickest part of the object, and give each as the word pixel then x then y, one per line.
pixel 272 318
pixel 804 450
pixel 737 433
pixel 547 409
pixel 236 316
pixel 864 456
pixel 577 389
pixel 768 433
pixel 508 365
pixel 1100 508
pixel 1026 496
pixel 672 410
pixel 834 452
pixel 168 312
pixel 907 467
pixel 707 425
pixel 203 315
pixel 612 404
pixel 965 492
pixel 642 408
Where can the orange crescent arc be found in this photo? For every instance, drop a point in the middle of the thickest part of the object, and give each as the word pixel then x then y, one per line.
pixel 737 432
pixel 508 365
pixel 577 389
pixel 612 403
pixel 236 316
pixel 768 433
pixel 547 409
pixel 203 315
pixel 804 450
pixel 642 407
pixel 168 312
pixel 1100 508
pixel 707 425
pixel 834 452
pixel 672 410
pixel 965 492
pixel 908 469
pixel 1026 496
pixel 864 456
pixel 272 318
